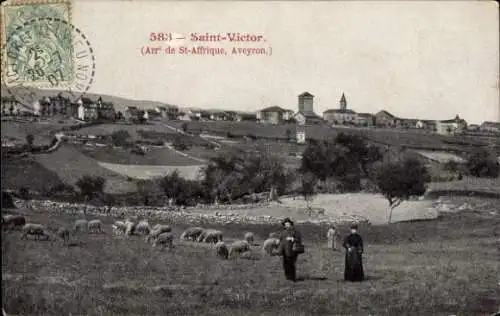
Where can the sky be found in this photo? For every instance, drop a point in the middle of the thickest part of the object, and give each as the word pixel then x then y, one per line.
pixel 418 59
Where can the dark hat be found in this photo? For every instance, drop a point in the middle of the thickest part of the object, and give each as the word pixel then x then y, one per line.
pixel 287 220
pixel 354 226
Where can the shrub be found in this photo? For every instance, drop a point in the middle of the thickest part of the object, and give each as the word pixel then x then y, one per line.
pixel 482 163
pixel 91 186
pixel 120 138
pixel 179 144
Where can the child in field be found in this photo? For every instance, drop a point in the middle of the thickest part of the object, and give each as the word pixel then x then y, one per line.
pixel 333 238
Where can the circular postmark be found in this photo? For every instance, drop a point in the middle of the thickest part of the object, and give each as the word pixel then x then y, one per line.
pixel 47 53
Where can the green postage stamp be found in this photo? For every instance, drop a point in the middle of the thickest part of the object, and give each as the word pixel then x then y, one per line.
pixel 43 49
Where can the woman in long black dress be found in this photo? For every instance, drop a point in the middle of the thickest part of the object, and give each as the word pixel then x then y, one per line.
pixel 353 243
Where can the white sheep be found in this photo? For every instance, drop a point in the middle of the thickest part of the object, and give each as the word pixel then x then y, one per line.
pixel 36 230
pixel 192 233
pixel 249 237
pixel 95 226
pixel 221 250
pixel 164 239
pixel 12 221
pixel 142 228
pixel 210 236
pixel 271 245
pixel 119 228
pixel 157 230
pixel 80 225
pixel 130 227
pixel 238 247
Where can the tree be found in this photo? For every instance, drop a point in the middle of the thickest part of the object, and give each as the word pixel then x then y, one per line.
pixel 91 186
pixel 307 189
pixel 400 180
pixel 29 142
pixel 483 163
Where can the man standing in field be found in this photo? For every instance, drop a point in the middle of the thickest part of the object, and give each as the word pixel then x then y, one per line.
pixel 290 247
pixel 353 243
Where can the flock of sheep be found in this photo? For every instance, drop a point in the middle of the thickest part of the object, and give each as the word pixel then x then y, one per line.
pixel 160 235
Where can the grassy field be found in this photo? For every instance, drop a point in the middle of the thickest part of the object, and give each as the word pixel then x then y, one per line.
pixel 154 156
pixel 441 267
pixel 153 171
pixel 469 184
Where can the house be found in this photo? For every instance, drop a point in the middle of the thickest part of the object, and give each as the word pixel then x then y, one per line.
pixel 131 113
pixel 489 126
pixel 250 117
pixel 342 115
pixel 106 110
pixel 474 127
pixel 453 126
pixel 272 115
pixel 385 119
pixel 153 114
pixel 364 119
pixel 184 117
pixel 219 116
pixel 10 106
pixel 87 109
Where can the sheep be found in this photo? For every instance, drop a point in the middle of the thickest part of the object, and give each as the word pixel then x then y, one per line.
pixel 274 235
pixel 80 225
pixel 270 246
pixel 157 230
pixel 221 250
pixel 130 230
pixel 192 233
pixel 12 221
pixel 249 237
pixel 36 230
pixel 142 228
pixel 210 236
pixel 119 228
pixel 164 239
pixel 95 226
pixel 63 233
pixel 239 246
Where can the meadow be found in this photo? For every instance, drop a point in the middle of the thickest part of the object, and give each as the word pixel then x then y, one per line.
pixel 440 267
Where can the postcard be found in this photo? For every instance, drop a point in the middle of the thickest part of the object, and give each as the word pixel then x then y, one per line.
pixel 250 157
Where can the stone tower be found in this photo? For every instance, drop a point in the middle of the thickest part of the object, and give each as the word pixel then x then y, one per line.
pixel 306 103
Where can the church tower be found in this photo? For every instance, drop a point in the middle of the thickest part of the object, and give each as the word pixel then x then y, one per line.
pixel 343 103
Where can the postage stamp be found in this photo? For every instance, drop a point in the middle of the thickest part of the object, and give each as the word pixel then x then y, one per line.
pixel 43 50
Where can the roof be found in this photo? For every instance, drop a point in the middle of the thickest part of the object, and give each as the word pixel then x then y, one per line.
pixel 273 109
pixel 453 121
pixel 492 124
pixel 348 111
pixel 385 113
pixel 306 94
pixel 365 114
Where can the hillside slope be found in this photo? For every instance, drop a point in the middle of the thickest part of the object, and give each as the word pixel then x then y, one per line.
pixel 70 165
